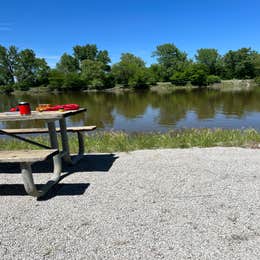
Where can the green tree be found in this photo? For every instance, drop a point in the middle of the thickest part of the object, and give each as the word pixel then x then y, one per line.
pixel 210 58
pixel 197 74
pixel 240 64
pixel 86 52
pixel 67 64
pixel 171 58
pixel 56 79
pixel 157 72
pixel 256 63
pixel 103 57
pixel 29 69
pixel 179 79
pixel 90 52
pixel 73 81
pixel 130 71
pixel 41 72
pixel 8 63
pixel 92 73
pixel 211 79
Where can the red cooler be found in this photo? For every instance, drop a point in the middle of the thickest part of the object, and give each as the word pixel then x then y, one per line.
pixel 24 108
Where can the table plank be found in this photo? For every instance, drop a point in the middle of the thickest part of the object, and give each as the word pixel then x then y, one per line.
pixel 26 155
pixel 45 115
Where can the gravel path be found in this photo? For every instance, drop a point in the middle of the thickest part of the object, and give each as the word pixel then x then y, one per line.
pixel 152 204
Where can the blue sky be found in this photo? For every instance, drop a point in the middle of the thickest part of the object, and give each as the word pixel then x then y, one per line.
pixel 52 27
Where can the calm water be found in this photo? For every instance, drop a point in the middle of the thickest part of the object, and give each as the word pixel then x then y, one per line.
pixel 150 111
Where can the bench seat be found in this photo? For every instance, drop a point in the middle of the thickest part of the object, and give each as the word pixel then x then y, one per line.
pixel 74 129
pixel 28 156
pixel 45 130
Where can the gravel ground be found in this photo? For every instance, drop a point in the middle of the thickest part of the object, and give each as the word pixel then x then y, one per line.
pixel 152 204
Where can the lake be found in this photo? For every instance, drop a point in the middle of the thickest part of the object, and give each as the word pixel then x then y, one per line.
pixel 152 111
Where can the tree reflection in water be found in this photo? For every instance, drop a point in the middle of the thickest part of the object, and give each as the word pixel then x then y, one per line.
pixel 165 111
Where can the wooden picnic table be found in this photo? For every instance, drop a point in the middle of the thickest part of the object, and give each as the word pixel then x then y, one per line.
pixel 49 117
pixel 35 115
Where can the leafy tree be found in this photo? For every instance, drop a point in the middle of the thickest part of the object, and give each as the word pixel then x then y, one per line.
pixel 7 89
pixel 5 77
pixel 94 58
pixel 211 79
pixel 179 79
pixel 210 58
pixel 103 57
pixel 171 58
pixel 25 67
pixel 30 70
pixel 56 79
pixel 240 64
pixel 73 81
pixel 197 74
pixel 140 79
pixel 257 80
pixel 199 78
pixel 68 64
pixel 86 52
pixel 130 71
pixel 8 63
pixel 41 73
pixel 157 72
pixel 92 73
pixel 256 63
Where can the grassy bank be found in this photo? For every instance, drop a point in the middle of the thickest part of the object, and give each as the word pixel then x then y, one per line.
pixel 224 85
pixel 119 141
pixel 234 85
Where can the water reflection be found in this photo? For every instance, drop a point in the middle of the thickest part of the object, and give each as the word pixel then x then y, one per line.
pixel 151 111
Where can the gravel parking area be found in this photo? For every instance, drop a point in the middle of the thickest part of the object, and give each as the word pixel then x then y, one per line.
pixel 151 204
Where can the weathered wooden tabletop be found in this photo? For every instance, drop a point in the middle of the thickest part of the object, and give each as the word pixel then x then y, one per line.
pixel 35 115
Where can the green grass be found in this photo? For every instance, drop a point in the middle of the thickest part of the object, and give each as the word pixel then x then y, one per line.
pixel 120 141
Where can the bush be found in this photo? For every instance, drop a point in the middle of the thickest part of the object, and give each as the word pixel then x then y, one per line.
pixel 56 80
pixel 72 81
pixel 199 78
pixel 211 79
pixel 257 80
pixel 6 89
pixel 96 84
pixel 23 86
pixel 109 81
pixel 179 79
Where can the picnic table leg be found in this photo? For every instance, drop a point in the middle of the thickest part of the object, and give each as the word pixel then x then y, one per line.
pixel 29 182
pixel 27 170
pixel 57 164
pixel 81 143
pixel 65 144
pixel 65 141
pixel 28 179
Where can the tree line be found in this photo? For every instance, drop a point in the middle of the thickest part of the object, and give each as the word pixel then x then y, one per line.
pixel 90 68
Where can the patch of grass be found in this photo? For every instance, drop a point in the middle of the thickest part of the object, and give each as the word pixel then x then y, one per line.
pixel 121 141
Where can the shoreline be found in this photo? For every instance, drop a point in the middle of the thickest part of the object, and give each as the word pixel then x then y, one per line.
pixel 160 87
pixel 125 142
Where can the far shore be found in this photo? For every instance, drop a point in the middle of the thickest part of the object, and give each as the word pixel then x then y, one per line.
pixel 225 85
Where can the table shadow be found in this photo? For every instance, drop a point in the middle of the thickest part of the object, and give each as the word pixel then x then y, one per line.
pixel 89 163
pixel 60 189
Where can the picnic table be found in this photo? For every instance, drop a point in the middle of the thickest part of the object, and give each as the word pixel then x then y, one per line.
pixel 26 158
